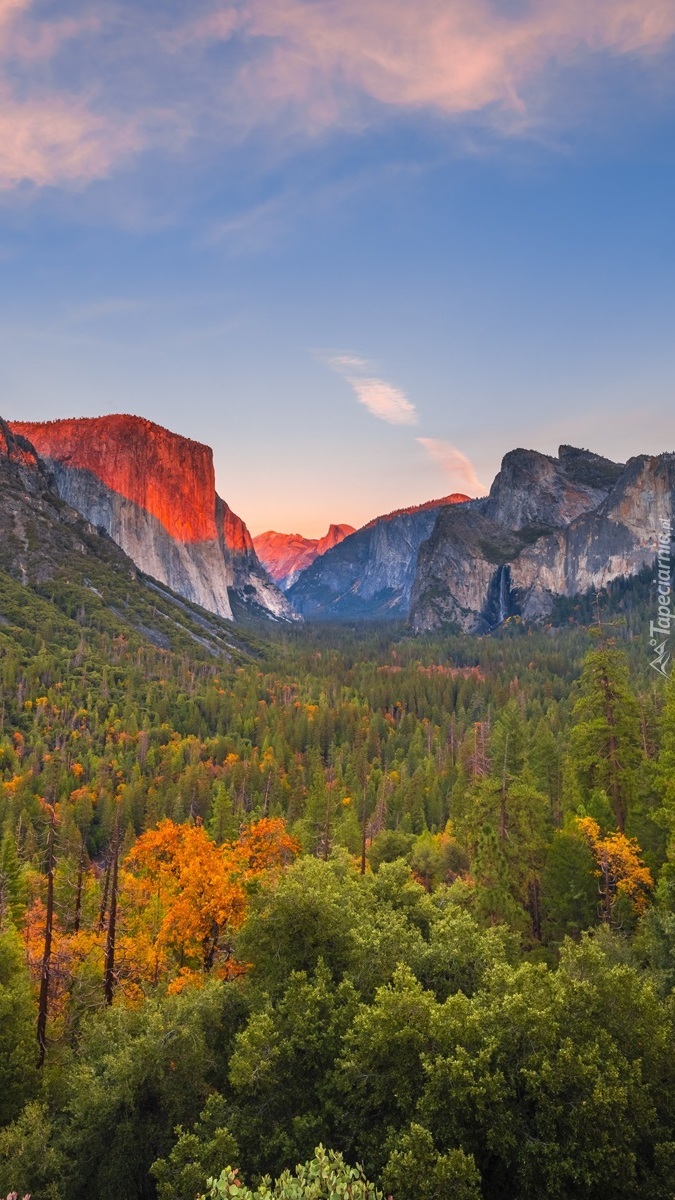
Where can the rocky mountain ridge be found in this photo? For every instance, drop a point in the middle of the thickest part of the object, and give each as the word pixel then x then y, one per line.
pixel 370 574
pixel 550 527
pixel 153 492
pixel 285 555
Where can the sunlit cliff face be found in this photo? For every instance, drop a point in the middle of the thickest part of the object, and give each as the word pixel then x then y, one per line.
pixel 13 450
pixel 170 477
pixel 154 493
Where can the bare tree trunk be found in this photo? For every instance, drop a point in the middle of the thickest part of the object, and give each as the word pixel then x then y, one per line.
pixel 326 834
pixel 104 899
pixel 502 803
pixel 43 1003
pixel 535 909
pixel 78 892
pixel 618 801
pixel 364 827
pixel 109 974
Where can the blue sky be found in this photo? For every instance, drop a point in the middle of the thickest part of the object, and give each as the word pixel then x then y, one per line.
pixel 361 254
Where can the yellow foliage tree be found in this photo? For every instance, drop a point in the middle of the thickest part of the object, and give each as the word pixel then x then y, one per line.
pixel 620 869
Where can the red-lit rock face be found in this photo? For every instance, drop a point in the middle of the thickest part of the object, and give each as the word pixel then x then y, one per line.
pixel 154 493
pixel 168 476
pixel 15 449
pixel 285 555
pixel 335 535
pixel 236 535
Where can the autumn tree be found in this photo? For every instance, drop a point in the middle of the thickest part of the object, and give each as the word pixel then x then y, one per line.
pixel 183 896
pixel 624 881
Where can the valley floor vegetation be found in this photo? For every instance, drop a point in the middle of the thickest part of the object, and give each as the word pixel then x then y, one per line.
pixel 365 914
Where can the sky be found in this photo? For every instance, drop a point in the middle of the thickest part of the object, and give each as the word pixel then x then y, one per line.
pixel 362 248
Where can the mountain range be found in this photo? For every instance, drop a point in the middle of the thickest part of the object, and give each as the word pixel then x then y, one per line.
pixel 144 499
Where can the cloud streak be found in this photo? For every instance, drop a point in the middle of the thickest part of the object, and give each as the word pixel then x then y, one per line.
pixel 456 464
pixel 382 399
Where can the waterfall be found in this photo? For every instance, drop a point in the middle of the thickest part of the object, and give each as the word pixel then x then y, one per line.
pixel 504 594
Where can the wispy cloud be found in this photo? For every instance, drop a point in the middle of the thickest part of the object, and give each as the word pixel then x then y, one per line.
pixel 56 141
pixel 289 68
pixel 457 465
pixel 452 56
pixel 382 399
pixel 49 136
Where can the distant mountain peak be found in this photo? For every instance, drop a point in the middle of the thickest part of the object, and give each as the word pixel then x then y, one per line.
pixel 285 555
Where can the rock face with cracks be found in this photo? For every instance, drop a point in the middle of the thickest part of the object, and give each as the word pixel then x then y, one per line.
pixel 550 527
pixel 153 492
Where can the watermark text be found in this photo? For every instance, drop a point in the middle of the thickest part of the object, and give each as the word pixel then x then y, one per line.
pixel 661 628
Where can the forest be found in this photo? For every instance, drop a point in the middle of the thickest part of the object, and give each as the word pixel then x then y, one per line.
pixel 342 909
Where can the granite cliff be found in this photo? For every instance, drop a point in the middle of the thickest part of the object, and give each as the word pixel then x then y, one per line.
pixel 56 564
pixel 371 572
pixel 285 555
pixel 154 494
pixel 549 527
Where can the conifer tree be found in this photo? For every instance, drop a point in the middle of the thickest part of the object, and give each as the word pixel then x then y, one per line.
pixel 12 888
pixel 606 740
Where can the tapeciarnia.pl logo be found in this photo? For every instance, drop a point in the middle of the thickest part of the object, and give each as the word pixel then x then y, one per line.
pixel 660 629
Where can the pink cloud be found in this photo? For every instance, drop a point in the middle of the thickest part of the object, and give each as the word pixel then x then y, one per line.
pixel 452 56
pixel 455 463
pixel 382 399
pixel 48 136
pixel 56 141
pixel 302 66
pixel 26 38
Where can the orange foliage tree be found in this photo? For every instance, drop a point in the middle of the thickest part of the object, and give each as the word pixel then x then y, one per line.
pixel 182 897
pixel 622 874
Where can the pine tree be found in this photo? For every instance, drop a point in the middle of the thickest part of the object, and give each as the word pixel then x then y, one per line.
pixel 606 740
pixel 12 886
pixel 223 825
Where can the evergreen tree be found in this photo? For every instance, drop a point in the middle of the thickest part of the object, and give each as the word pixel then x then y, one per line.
pixel 17 1036
pixel 12 882
pixel 606 740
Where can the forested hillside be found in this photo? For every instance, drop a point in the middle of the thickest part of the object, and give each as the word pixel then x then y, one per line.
pixel 409 898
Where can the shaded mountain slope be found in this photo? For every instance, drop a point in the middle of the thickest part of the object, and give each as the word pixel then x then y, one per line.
pixel 370 574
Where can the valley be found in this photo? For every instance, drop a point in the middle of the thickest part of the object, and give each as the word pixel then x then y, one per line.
pixel 285 879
